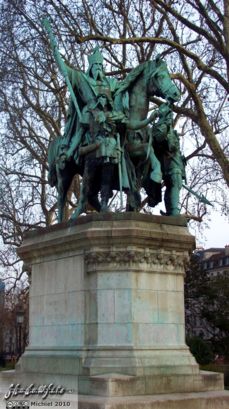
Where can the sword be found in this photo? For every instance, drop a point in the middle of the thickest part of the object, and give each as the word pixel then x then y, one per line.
pixel 201 197
pixel 61 64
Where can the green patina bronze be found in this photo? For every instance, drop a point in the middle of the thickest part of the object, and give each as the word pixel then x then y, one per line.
pixel 111 142
pixel 167 149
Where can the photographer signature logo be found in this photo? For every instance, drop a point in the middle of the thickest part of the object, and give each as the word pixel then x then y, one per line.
pixel 17 405
pixel 43 390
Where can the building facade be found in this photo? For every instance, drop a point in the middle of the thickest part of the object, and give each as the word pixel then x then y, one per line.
pixel 211 267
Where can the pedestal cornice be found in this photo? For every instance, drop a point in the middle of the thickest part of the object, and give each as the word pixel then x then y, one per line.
pixel 108 231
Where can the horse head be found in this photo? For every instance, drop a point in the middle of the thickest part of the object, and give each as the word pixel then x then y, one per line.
pixel 160 82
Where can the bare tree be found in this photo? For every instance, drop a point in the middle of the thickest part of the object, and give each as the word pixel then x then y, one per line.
pixel 192 36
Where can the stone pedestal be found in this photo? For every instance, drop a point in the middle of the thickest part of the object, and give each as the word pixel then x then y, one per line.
pixel 107 308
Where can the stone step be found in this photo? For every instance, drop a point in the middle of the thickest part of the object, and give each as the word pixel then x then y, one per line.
pixel 122 385
pixel 6 378
pixel 208 399
pixel 200 400
pixel 125 385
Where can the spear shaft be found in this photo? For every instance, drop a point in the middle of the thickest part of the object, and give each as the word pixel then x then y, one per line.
pixel 61 64
pixel 120 169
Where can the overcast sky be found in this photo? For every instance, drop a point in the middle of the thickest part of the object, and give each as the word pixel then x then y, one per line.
pixel 218 233
pixel 215 235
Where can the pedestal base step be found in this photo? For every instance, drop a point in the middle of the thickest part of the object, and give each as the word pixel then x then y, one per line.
pixel 124 385
pixel 200 400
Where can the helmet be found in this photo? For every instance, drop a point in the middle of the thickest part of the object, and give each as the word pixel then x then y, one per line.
pixel 95 57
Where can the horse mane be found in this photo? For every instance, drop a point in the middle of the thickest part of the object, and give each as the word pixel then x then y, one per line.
pixel 131 78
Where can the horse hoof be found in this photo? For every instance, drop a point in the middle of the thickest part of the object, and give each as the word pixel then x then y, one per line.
pixel 75 215
pixel 163 213
pixel 104 209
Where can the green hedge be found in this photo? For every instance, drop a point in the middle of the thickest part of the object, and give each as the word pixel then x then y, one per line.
pixel 223 368
pixel 201 350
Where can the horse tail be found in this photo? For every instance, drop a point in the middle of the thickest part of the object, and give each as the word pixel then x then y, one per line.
pixel 52 156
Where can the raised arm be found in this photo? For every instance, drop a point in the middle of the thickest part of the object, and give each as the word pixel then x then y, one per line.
pixel 62 66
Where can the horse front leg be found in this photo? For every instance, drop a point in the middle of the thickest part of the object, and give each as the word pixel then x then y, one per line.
pixel 107 174
pixel 82 202
pixel 156 174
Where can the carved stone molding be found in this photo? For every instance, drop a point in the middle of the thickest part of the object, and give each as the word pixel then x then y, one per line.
pixel 131 256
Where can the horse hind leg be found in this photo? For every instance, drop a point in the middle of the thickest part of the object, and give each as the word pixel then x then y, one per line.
pixel 92 194
pixel 61 202
pixel 64 182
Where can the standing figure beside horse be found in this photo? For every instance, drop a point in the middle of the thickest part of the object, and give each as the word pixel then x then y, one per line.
pixel 153 80
pixel 167 148
pixel 162 140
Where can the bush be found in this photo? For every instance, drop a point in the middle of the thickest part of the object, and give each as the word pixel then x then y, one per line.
pixel 2 361
pixel 214 367
pixel 201 350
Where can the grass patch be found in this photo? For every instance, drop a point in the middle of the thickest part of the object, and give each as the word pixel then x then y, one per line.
pixel 7 367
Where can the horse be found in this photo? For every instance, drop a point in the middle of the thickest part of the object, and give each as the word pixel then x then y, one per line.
pixel 149 79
